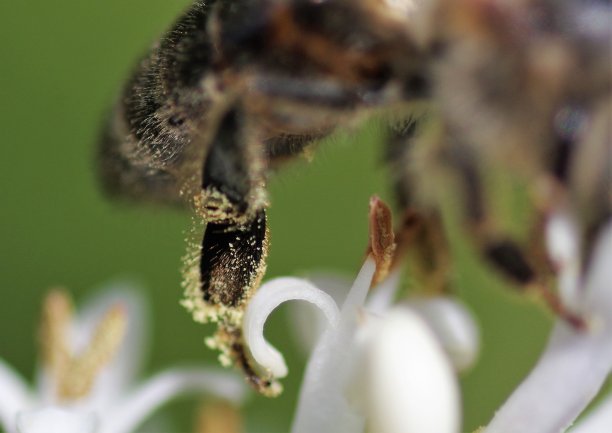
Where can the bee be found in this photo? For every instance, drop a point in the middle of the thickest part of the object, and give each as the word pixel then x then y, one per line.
pixel 236 87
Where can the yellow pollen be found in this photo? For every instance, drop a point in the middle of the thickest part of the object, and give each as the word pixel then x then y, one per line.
pixel 74 373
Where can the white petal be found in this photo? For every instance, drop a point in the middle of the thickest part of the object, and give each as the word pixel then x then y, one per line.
pixel 598 293
pixel 56 420
pixel 412 383
pixel 454 327
pixel 132 410
pixel 14 396
pixel 268 297
pixel 598 421
pixel 562 243
pixel 115 378
pixel 575 364
pixel 561 238
pixel 322 405
pixel 566 378
pixel 309 323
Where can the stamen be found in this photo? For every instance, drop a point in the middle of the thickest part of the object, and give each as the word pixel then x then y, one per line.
pixel 382 238
pixel 75 374
pixel 56 318
pixel 322 405
pixel 104 345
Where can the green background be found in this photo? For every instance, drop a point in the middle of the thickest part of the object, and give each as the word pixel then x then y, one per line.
pixel 62 64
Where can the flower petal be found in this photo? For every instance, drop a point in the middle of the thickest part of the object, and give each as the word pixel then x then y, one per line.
pixel 454 327
pixel 269 296
pixel 561 239
pixel 566 378
pixel 574 365
pixel 412 387
pixel 562 243
pixel 56 420
pixel 598 421
pixel 129 412
pixel 598 288
pixel 322 405
pixel 14 396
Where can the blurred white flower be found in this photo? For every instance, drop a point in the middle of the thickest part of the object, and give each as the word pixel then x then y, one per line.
pixel 575 363
pixel 86 383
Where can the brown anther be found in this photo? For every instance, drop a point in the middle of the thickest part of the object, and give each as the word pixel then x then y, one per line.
pixel 382 238
pixel 219 417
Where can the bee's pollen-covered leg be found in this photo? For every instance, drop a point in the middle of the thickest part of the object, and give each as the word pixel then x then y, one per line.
pixel 232 255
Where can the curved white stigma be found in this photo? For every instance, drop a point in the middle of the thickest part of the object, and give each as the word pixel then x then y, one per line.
pixel 269 296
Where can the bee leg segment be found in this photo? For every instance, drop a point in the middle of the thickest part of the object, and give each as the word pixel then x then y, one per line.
pixel 233 261
pixel 232 264
pixel 232 255
pixel 232 177
pixel 503 253
pixel 234 247
pixel 421 238
pixel 509 258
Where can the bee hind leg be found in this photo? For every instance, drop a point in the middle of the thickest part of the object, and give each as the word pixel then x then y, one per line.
pixel 231 259
pixel 232 202
pixel 526 267
pixel 421 238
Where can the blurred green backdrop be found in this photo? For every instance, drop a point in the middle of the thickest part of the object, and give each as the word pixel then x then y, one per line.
pixel 61 67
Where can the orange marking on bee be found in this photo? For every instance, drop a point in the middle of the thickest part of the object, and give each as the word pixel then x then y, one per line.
pixel 348 64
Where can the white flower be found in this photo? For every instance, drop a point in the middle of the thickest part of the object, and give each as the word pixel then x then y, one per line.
pixel 86 383
pixel 389 367
pixel 575 363
pixel 371 362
